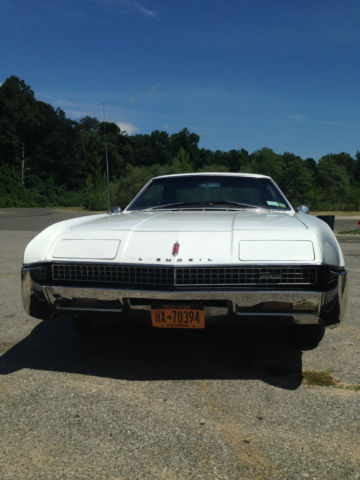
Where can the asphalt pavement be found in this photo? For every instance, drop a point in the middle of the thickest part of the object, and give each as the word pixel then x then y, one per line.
pixel 34 219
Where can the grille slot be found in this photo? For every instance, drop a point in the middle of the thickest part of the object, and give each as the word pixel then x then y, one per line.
pixel 121 274
pixel 172 277
pixel 246 276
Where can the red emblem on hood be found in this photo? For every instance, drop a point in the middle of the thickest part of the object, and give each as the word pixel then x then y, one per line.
pixel 176 248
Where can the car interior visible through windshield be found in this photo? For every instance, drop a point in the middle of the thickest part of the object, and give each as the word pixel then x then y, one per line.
pixel 211 192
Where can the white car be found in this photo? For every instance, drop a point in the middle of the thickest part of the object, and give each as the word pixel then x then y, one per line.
pixel 190 248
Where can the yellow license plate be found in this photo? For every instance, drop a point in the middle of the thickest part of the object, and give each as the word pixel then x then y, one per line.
pixel 177 316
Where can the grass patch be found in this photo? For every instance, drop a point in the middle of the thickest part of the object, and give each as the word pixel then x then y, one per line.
pixel 325 379
pixel 349 232
pixel 338 213
pixel 321 379
pixel 354 388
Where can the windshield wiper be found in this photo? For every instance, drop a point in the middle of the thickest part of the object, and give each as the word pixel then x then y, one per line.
pixel 204 204
pixel 236 204
pixel 176 205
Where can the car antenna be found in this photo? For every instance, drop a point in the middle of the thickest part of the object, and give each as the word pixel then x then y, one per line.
pixel 107 164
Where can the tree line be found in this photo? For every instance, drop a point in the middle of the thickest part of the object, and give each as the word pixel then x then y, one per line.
pixel 47 159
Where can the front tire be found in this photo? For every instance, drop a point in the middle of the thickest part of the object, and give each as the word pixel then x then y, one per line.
pixel 38 309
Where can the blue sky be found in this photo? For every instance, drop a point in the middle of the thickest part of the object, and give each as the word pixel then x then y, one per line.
pixel 241 74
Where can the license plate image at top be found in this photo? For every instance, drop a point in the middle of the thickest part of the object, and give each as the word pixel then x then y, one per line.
pixel 177 316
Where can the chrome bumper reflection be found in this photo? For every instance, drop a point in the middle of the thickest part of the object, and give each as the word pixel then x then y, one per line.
pixel 303 307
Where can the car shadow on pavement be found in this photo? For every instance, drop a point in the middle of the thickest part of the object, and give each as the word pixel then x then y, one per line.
pixel 139 352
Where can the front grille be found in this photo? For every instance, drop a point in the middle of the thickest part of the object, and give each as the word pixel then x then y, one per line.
pixel 172 277
pixel 120 274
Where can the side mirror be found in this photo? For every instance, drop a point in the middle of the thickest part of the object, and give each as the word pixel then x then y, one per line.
pixel 116 210
pixel 303 209
pixel 329 219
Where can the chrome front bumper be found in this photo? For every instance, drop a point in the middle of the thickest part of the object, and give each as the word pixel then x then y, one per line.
pixel 302 307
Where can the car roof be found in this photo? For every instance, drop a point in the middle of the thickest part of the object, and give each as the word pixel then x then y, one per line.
pixel 225 174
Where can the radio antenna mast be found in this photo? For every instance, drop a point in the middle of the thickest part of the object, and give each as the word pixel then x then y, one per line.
pixel 107 164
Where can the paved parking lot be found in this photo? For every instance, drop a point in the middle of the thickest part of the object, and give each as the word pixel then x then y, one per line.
pixel 135 403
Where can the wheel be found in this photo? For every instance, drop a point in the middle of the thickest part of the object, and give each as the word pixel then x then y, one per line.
pixel 38 309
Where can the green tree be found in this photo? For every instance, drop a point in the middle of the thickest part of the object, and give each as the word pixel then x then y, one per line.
pixel 181 162
pixel 265 161
pixel 297 180
pixel 357 168
pixel 65 159
pixel 19 118
pixel 334 181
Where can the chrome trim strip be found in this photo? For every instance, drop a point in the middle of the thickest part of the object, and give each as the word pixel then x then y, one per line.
pixel 342 293
pixel 26 289
pixel 29 287
pixel 301 305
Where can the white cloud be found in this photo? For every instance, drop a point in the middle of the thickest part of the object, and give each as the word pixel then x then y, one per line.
pixel 153 89
pixel 146 11
pixel 131 5
pixel 127 127
pixel 298 118
pixel 58 102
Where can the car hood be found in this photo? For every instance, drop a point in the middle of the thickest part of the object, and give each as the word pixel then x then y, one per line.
pixel 204 237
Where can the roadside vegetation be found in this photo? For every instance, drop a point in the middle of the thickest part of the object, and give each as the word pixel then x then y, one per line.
pixel 350 232
pixel 325 379
pixel 47 159
pixel 338 213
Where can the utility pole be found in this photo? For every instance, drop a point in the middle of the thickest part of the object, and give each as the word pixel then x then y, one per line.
pixel 107 164
pixel 23 166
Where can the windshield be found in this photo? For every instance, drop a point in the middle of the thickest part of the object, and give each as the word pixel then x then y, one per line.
pixel 210 192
